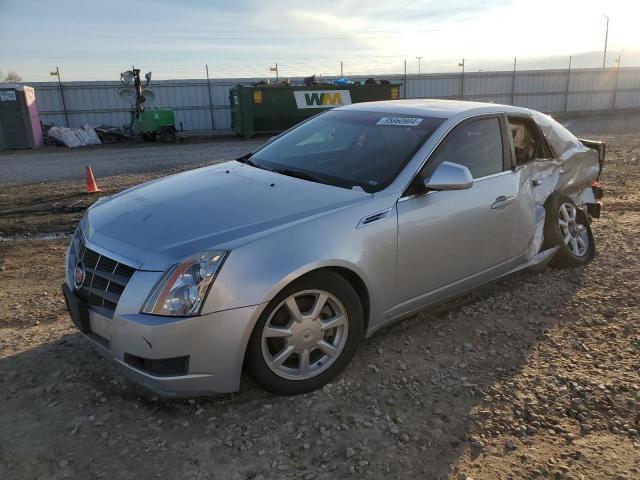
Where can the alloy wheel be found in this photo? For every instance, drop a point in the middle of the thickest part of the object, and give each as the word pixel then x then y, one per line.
pixel 305 334
pixel 574 234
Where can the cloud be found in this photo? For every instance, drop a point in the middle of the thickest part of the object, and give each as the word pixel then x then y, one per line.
pixel 431 12
pixel 91 38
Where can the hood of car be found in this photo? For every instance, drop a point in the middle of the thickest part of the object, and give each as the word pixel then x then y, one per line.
pixel 162 221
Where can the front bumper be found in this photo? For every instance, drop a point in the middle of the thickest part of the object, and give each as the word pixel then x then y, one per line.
pixel 172 356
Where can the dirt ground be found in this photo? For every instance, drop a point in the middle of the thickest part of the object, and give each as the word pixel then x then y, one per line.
pixel 54 208
pixel 535 377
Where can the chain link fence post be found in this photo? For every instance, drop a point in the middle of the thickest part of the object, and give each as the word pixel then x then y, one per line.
pixel 513 82
pixel 566 98
pixel 405 79
pixel 213 127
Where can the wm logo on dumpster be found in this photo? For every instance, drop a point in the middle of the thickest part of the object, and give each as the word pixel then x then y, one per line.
pixel 322 98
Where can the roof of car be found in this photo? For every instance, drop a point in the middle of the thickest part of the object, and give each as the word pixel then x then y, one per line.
pixel 431 107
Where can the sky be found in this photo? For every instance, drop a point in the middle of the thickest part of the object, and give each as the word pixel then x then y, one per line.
pixel 96 40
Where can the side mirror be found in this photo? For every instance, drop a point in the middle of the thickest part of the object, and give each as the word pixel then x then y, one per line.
pixel 449 176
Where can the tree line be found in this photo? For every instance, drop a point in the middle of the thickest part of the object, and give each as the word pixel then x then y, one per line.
pixel 10 77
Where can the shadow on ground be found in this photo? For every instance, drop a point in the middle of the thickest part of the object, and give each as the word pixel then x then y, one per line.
pixel 406 405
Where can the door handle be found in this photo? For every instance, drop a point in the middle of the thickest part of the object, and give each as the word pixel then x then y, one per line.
pixel 502 201
pixel 536 182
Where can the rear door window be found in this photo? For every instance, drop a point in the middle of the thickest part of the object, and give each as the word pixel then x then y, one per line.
pixel 528 143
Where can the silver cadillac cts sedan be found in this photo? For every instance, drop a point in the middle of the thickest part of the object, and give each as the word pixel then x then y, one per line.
pixel 281 261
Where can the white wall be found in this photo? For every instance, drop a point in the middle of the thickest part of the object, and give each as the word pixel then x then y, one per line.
pixel 96 103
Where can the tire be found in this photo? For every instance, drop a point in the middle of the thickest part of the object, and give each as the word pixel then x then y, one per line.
pixel 278 335
pixel 567 226
pixel 167 134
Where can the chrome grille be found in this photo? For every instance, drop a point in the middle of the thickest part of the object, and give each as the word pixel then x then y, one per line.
pixel 105 280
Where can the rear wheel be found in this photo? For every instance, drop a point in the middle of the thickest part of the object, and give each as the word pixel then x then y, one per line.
pixel 307 335
pixel 567 226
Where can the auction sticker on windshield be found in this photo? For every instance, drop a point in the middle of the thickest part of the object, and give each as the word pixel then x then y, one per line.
pixel 400 121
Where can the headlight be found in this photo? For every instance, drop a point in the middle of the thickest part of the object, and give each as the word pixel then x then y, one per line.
pixel 183 288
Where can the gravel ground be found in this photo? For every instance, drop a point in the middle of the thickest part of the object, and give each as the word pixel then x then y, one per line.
pixel 535 377
pixel 52 163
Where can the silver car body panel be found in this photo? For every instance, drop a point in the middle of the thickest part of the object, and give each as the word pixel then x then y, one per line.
pixel 476 244
pixel 165 220
pixel 417 249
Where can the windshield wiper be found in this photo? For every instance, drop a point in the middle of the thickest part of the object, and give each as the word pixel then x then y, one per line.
pixel 246 159
pixel 300 174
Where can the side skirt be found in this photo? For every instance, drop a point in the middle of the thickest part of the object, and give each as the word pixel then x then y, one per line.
pixel 537 263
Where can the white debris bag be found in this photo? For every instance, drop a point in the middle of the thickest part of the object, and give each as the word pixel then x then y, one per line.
pixel 75 137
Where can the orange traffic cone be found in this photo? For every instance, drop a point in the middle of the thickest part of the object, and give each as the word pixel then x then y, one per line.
pixel 91 182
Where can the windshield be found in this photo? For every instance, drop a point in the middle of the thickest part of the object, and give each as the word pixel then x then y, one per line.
pixel 348 148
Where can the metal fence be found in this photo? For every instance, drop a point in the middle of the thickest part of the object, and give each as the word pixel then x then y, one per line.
pixel 198 102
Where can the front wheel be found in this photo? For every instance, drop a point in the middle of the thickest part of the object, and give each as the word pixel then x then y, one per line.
pixel 307 334
pixel 567 226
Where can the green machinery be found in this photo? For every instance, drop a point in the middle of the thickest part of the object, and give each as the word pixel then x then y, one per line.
pixel 156 121
pixel 150 122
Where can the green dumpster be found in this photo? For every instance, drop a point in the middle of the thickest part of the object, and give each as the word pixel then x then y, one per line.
pixel 269 109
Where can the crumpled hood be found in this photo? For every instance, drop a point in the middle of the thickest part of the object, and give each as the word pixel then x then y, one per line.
pixel 163 221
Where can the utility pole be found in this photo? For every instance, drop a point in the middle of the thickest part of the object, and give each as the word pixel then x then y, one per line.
pixel 461 64
pixel 341 69
pixel 606 37
pixel 419 58
pixel 64 106
pixel 275 69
